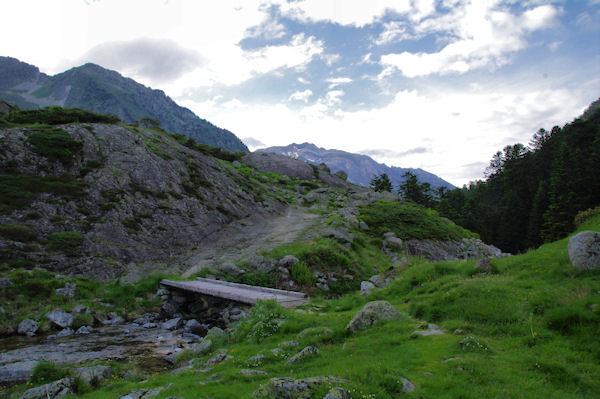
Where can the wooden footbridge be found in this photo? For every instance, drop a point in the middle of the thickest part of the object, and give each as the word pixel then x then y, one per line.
pixel 243 293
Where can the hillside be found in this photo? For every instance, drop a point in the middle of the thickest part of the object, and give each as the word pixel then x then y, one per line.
pixel 97 89
pixel 359 168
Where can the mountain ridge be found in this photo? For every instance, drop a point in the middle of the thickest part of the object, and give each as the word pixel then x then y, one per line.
pixel 360 168
pixel 97 89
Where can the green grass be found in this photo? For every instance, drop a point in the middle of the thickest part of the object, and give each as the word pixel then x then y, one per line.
pixel 410 220
pixel 54 143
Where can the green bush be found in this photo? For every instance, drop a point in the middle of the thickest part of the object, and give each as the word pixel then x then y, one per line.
pixel 264 320
pixel 17 233
pixel 302 274
pixel 583 216
pixel 66 241
pixel 56 115
pixel 54 144
pixel 46 372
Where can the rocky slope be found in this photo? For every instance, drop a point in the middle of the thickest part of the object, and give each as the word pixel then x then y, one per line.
pixel 359 168
pixel 97 89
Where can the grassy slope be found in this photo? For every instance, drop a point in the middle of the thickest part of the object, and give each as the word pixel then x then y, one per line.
pixel 538 317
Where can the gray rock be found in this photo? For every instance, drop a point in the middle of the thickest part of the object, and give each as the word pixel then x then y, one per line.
pixel 432 329
pixel 113 319
pixel 78 309
pixel 195 327
pixel 5 282
pixel 68 290
pixel 366 287
pixel 65 332
pixel 94 375
pixel 322 286
pixel 56 389
pixel 202 347
pixel 288 261
pixel 277 352
pixel 16 372
pixel 170 308
pixel 252 373
pixel 256 360
pixel 231 269
pixel 216 359
pixel 285 273
pixel 336 393
pixel 363 226
pixel 393 242
pixel 289 388
pixel 215 332
pixel 584 250
pixel 149 325
pixel 60 318
pixel 389 234
pixel 309 351
pixel 28 327
pixel 290 343
pixel 341 234
pixel 314 331
pixel 84 330
pixel 172 324
pixel 407 386
pixel 372 313
pixel 279 164
pixel 145 393
pixel 378 280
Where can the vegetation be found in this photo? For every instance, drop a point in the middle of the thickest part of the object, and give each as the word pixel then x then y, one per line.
pixel 66 241
pixel 408 220
pixel 54 144
pixel 216 152
pixel 532 194
pixel 17 233
pixel 56 115
pixel 381 183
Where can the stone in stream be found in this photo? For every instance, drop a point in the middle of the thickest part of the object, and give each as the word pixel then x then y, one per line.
pixel 28 327
pixel 65 332
pixel 83 330
pixel 194 327
pixel 172 324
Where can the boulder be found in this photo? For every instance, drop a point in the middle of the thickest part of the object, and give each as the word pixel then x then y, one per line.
pixel 341 234
pixel 93 375
pixel 16 372
pixel 83 330
pixel 392 242
pixel 363 226
pixel 202 347
pixel 231 269
pixel 366 287
pixel 195 327
pixel 215 332
pixel 28 327
pixel 584 250
pixel 56 389
pixel 269 162
pixel 145 393
pixel 336 393
pixel 172 324
pixel 60 318
pixel 372 313
pixel 289 388
pixel 65 332
pixel 68 290
pixel 288 261
pixel 307 352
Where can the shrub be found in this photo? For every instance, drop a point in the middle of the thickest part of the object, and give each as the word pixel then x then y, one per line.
pixel 264 320
pixel 54 144
pixel 65 241
pixel 583 216
pixel 302 274
pixel 46 372
pixel 17 233
pixel 55 115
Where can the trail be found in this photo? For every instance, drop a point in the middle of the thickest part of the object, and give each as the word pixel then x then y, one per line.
pixel 246 237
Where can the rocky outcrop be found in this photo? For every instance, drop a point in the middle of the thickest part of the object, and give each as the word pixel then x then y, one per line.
pixel 372 313
pixel 467 248
pixel 56 389
pixel 584 250
pixel 289 388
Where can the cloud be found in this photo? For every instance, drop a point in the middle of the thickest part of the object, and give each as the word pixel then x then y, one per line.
pixel 253 143
pixel 297 53
pixel 269 29
pixel 385 153
pixel 334 82
pixel 158 60
pixel 301 95
pixel 485 35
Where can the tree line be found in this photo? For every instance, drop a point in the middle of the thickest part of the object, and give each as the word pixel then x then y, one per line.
pixel 531 194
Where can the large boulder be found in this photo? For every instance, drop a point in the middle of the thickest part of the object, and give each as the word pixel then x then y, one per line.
pixel 16 372
pixel 289 388
pixel 93 375
pixel 584 250
pixel 56 389
pixel 270 162
pixel 372 313
pixel 60 318
pixel 28 327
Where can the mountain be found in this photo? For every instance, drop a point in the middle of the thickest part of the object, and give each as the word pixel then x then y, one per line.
pixel 97 89
pixel 359 168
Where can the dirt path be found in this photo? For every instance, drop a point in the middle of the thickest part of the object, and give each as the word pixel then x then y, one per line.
pixel 244 238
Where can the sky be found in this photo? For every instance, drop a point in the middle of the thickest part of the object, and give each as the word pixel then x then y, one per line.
pixel 438 85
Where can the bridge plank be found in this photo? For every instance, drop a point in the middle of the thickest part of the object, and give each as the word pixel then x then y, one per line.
pixel 238 292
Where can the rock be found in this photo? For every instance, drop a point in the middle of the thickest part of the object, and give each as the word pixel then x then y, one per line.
pixel 215 332
pixel 288 261
pixel 341 174
pixel 378 280
pixel 484 266
pixel 252 373
pixel 149 325
pixel 277 352
pixel 231 269
pixel 366 287
pixel 5 282
pixel 307 352
pixel 393 242
pixel 113 319
pixel 322 286
pixel 16 372
pixel 172 324
pixel 363 226
pixel 319 331
pixel 341 234
pixel 60 318
pixel 285 273
pixel 290 344
pixel 67 290
pixel 336 393
pixel 170 308
pixel 371 314
pixel 289 388
pixel 65 332
pixel 56 389
pixel 407 386
pixel 279 164
pixel 78 309
pixel 195 327
pixel 145 393
pixel 256 360
pixel 389 234
pixel 584 250
pixel 202 347
pixel 216 359
pixel 93 375
pixel 28 327
pixel 432 330
pixel 84 330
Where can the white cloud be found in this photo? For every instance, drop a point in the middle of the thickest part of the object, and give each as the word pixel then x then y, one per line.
pixel 486 35
pixel 334 82
pixel 299 52
pixel 301 95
